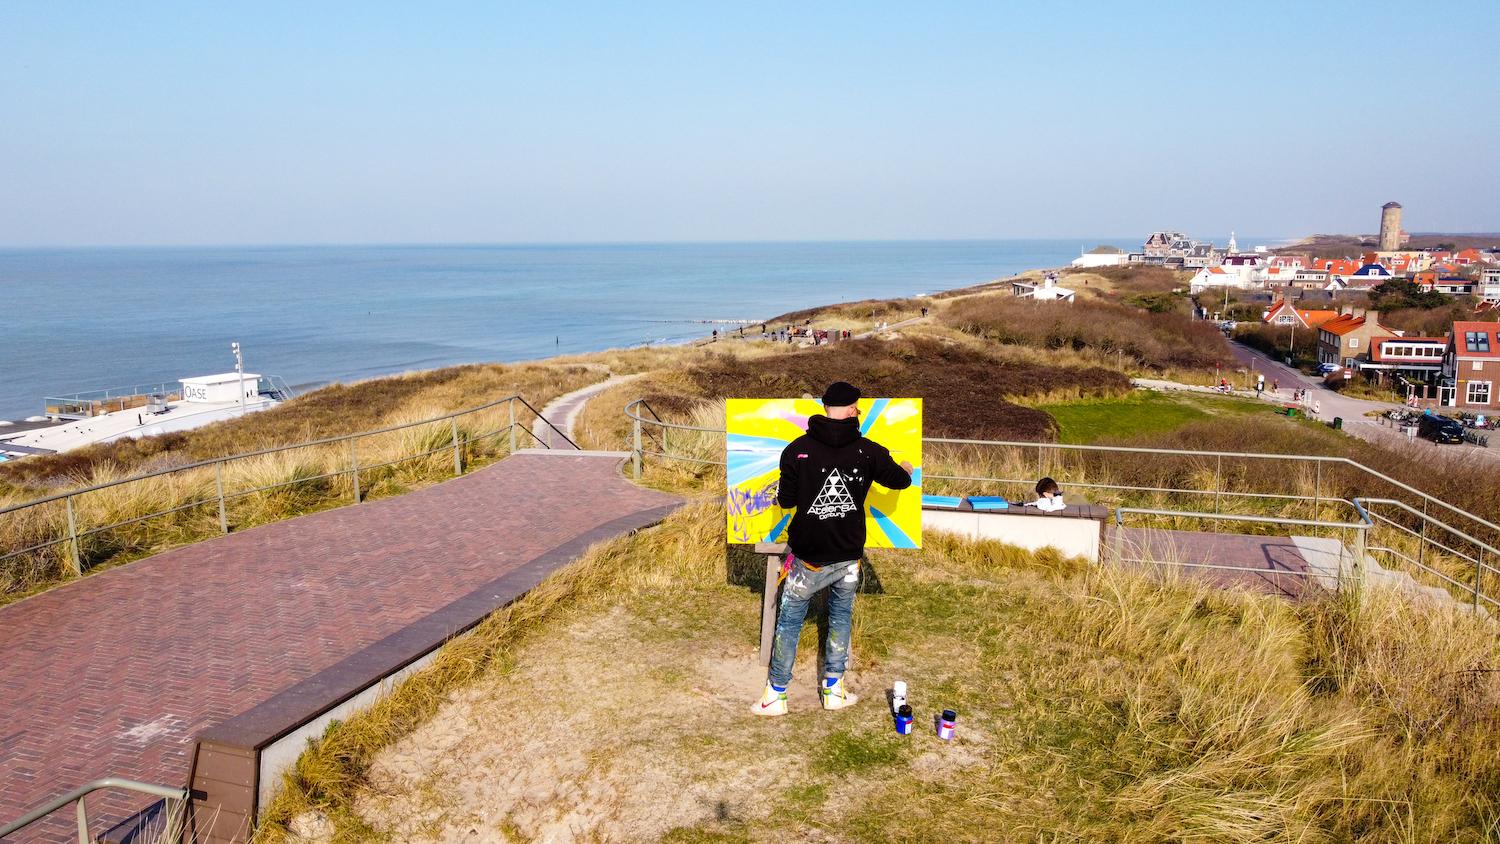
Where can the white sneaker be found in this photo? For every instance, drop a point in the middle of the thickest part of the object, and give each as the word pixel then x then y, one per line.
pixel 836 696
pixel 771 702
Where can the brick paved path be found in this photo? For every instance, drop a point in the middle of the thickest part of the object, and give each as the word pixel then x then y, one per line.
pixel 1271 564
pixel 114 675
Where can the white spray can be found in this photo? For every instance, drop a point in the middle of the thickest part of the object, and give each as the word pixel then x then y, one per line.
pixel 898 695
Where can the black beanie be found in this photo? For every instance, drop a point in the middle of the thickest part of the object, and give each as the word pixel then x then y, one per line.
pixel 840 394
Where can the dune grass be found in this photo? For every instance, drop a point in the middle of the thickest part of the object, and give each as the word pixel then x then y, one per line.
pixel 1094 704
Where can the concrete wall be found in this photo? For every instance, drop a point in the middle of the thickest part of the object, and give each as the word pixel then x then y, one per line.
pixel 1075 536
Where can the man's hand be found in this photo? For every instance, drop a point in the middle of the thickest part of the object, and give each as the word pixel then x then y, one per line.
pixel 906 464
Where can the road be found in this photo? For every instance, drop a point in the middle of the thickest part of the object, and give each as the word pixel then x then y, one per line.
pixel 1330 404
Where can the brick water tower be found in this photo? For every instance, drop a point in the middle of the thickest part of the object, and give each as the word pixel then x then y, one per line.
pixel 1390 227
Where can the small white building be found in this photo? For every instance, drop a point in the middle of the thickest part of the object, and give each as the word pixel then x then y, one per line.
pixel 226 387
pixel 1102 256
pixel 1241 277
pixel 1047 291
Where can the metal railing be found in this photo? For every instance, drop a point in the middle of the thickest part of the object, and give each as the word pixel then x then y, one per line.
pixel 176 803
pixel 73 534
pixel 649 438
pixel 1435 543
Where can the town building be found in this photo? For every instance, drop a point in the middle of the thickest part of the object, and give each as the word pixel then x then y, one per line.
pixel 1366 278
pixel 1488 286
pixel 1412 365
pixel 1471 366
pixel 1177 250
pixel 1047 291
pixel 1221 277
pixel 1102 256
pixel 1282 312
pixel 1310 278
pixel 1343 339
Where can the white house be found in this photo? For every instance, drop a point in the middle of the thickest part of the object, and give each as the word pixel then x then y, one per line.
pixel 1102 256
pixel 1241 276
pixel 1488 286
pixel 1047 291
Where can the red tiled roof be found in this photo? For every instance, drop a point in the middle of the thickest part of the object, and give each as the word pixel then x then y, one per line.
pixel 1489 329
pixel 1342 324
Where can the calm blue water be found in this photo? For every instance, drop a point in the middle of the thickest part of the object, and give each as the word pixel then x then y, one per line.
pixel 80 319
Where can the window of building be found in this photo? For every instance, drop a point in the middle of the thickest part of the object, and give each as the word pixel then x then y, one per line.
pixel 1478 366
pixel 1477 341
pixel 1353 342
pixel 1479 392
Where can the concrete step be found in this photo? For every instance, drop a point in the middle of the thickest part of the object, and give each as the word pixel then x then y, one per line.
pixel 1329 558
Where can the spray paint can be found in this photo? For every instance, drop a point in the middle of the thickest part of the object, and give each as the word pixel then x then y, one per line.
pixel 898 695
pixel 946 724
pixel 903 720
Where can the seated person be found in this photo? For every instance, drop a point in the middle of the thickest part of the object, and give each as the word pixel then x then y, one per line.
pixel 1049 496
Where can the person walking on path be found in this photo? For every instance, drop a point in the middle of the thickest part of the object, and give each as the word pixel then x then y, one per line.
pixel 826 475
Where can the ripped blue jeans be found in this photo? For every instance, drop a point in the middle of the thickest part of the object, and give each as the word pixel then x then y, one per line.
pixel 802 583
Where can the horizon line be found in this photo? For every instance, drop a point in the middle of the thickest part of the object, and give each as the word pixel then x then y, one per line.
pixel 552 243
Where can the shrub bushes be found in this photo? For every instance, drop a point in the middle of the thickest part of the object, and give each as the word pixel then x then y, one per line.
pixel 965 390
pixel 1156 340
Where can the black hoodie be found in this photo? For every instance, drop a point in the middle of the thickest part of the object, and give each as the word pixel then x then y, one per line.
pixel 826 474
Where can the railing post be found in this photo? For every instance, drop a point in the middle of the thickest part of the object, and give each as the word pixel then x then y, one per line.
pixel 458 454
pixel 1478 579
pixel 1218 479
pixel 1318 490
pixel 664 449
pixel 75 559
pixel 83 822
pixel 354 469
pixel 511 405
pixel 635 452
pixel 219 490
pixel 1361 536
pixel 1422 537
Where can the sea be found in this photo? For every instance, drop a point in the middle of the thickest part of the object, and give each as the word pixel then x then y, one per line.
pixel 83 319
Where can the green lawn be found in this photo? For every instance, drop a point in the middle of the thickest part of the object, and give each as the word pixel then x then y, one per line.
pixel 1141 412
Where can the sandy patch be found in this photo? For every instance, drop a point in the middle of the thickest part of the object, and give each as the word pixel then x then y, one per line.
pixel 606 759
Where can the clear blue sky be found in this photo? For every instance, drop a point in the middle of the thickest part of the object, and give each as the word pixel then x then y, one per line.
pixel 265 122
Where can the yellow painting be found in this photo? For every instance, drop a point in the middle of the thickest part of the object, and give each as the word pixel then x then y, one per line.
pixel 758 430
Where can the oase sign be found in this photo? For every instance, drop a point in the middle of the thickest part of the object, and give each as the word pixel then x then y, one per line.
pixel 220 388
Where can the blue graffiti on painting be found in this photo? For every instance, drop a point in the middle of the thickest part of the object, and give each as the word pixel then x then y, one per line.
pixel 744 505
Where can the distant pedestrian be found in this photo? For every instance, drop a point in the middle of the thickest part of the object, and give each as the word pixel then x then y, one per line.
pixel 1275 386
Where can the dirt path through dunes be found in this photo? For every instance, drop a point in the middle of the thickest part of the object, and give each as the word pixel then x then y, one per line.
pixel 564 410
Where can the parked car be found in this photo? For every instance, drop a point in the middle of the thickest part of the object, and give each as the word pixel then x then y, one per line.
pixel 1328 368
pixel 1440 429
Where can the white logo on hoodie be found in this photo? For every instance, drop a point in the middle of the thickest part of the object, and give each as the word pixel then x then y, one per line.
pixel 833 499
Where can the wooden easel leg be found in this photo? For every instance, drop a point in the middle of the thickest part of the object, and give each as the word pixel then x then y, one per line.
pixel 768 608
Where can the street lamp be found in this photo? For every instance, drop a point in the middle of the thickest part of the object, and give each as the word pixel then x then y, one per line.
pixel 239 367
